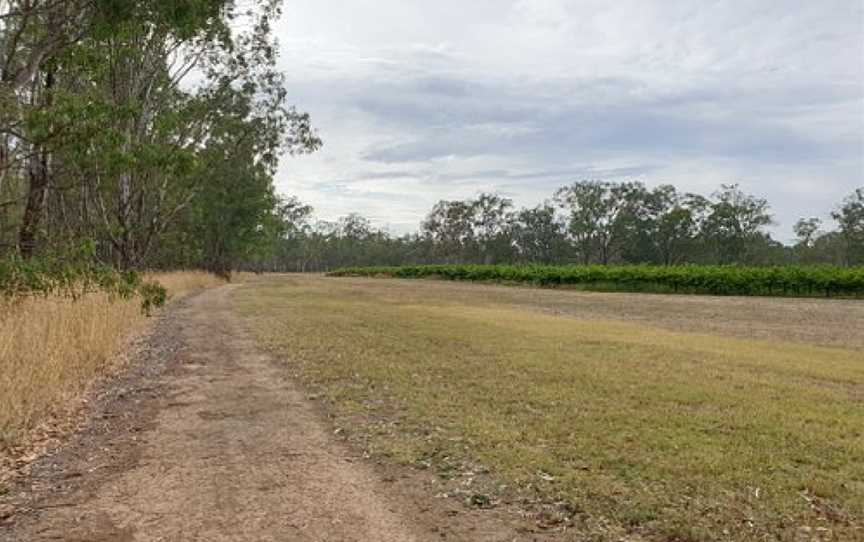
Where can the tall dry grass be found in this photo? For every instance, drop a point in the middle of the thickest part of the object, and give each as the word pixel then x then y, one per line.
pixel 52 350
pixel 181 283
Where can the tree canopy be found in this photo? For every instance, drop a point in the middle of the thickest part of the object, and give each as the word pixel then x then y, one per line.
pixel 586 222
pixel 153 128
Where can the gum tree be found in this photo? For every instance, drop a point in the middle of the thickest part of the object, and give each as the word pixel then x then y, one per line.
pixel 850 217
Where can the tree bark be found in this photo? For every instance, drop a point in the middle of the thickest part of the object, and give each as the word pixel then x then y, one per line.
pixel 39 176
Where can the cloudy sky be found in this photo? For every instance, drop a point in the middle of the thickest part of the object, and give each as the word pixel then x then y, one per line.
pixel 422 100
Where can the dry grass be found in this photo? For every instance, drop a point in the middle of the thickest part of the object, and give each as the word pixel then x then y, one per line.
pixel 52 349
pixel 182 283
pixel 633 430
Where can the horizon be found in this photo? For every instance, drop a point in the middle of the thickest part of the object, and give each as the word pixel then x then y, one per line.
pixel 417 107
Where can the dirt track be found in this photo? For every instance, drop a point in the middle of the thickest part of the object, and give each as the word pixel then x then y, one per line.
pixel 221 446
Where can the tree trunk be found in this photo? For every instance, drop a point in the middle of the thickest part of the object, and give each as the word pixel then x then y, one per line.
pixel 38 175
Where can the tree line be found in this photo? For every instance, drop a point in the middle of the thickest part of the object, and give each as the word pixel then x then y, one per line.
pixel 149 132
pixel 586 222
pixel 149 128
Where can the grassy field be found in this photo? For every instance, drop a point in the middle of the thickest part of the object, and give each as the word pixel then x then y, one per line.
pixel 618 425
pixel 51 350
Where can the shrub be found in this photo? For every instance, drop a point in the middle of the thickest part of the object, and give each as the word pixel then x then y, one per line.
pixel 73 277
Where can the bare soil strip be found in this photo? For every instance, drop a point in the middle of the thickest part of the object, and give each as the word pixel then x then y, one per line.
pixel 210 441
pixel 824 322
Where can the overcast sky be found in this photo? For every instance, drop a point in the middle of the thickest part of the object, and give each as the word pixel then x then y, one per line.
pixel 422 100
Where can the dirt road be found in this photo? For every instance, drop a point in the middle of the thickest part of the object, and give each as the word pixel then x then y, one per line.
pixel 220 445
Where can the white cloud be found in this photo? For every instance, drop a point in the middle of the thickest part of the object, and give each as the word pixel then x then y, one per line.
pixel 419 101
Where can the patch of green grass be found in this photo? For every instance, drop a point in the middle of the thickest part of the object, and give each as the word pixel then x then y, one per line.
pixel 671 435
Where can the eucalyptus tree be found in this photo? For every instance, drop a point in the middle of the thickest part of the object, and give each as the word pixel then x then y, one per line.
pixel 850 217
pixel 232 211
pixel 673 222
pixel 492 227
pixel 149 162
pixel 33 33
pixel 539 235
pixel 806 230
pixel 595 211
pixel 659 225
pixel 227 198
pixel 351 240
pixel 139 114
pixel 291 247
pixel 584 204
pixel 450 228
pixel 734 225
pixel 74 69
pixel 806 233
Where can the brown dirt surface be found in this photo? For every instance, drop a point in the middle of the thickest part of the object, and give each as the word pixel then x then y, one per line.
pixel 816 321
pixel 206 438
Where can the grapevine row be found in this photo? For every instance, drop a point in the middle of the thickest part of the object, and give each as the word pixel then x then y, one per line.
pixel 718 280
